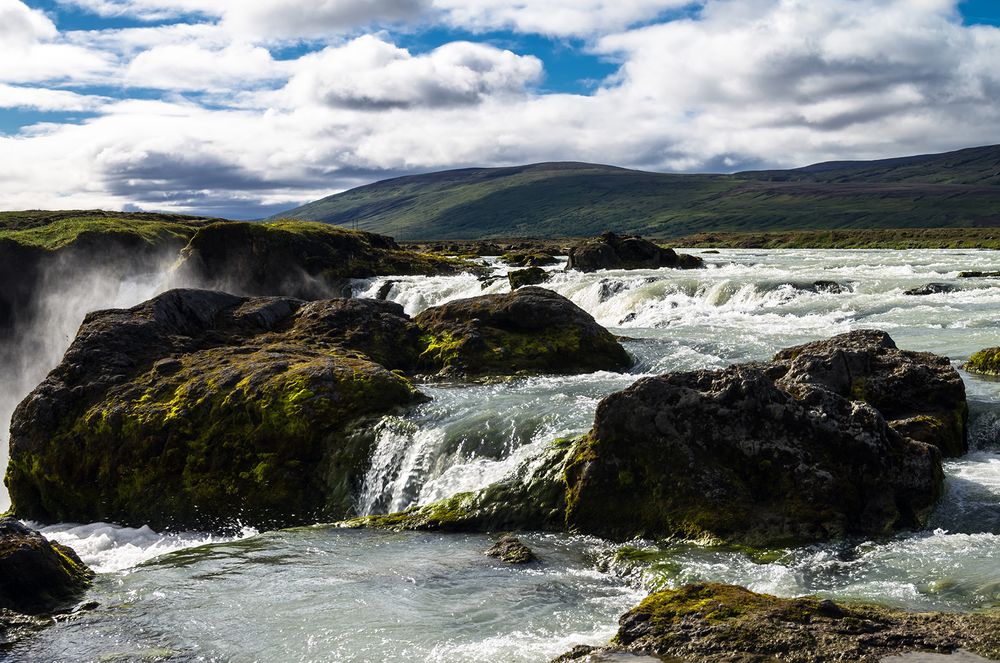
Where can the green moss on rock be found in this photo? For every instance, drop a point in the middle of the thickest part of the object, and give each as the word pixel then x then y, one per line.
pixel 713 622
pixel 984 362
pixel 198 410
pixel 531 330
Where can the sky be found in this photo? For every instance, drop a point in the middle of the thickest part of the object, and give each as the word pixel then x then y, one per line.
pixel 242 109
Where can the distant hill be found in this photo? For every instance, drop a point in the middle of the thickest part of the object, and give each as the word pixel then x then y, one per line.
pixel 951 190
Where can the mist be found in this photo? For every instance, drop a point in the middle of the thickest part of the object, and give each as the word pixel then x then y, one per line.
pixel 70 288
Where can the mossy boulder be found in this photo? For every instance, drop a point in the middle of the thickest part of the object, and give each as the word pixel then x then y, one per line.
pixel 530 276
pixel 611 251
pixel 199 409
pixel 530 330
pixel 984 362
pixel 728 456
pixel 38 576
pixel 297 259
pixel 920 394
pixel 712 623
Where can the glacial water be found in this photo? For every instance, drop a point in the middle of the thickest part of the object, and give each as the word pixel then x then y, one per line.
pixel 328 594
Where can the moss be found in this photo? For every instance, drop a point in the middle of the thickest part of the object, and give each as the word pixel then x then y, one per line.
pixel 984 362
pixel 450 513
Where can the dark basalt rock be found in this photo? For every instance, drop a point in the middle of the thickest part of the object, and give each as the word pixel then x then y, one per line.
pixel 530 276
pixel 978 275
pixel 611 251
pixel 199 408
pixel 710 623
pixel 919 394
pixel 729 456
pixel 511 550
pixel 529 259
pixel 296 259
pixel 530 330
pixel 756 454
pixel 984 362
pixel 38 576
pixel 930 289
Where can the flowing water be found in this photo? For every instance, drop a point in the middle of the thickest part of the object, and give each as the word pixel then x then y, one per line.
pixel 327 594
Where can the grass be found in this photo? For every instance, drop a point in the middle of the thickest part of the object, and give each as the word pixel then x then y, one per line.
pixel 889 238
pixel 953 190
pixel 54 230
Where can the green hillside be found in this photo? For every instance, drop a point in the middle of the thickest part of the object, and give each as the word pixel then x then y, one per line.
pixel 952 190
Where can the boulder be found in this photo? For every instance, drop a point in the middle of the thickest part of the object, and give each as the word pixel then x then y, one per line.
pixel 756 454
pixel 920 395
pixel 198 409
pixel 511 550
pixel 530 330
pixel 728 456
pixel 713 623
pixel 979 275
pixel 528 259
pixel 529 276
pixel 38 576
pixel 930 289
pixel 296 259
pixel 610 251
pixel 984 362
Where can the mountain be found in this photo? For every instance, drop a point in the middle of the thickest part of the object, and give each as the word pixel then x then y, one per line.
pixel 955 189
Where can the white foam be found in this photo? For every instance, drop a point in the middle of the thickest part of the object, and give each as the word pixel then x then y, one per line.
pixel 108 548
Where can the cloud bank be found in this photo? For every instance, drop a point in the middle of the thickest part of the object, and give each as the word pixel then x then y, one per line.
pixel 242 108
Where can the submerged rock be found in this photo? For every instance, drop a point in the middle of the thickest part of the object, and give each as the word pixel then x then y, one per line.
pixel 511 550
pixel 38 576
pixel 611 251
pixel 530 330
pixel 756 454
pixel 984 362
pixel 529 276
pixel 930 289
pixel 920 395
pixel 198 409
pixel 711 623
pixel 296 259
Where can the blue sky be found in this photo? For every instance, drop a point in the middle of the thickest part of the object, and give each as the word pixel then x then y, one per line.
pixel 243 109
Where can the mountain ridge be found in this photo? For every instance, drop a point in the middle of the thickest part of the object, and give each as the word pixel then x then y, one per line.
pixel 575 199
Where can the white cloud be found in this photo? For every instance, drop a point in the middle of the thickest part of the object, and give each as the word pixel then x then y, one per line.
pixel 555 17
pixel 371 73
pixel 192 67
pixel 30 51
pixel 35 98
pixel 743 83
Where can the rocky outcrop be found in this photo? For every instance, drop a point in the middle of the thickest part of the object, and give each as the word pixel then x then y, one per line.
pixel 529 276
pixel 930 289
pixel 511 550
pixel 197 409
pixel 528 259
pixel 729 456
pixel 296 259
pixel 920 395
pixel 984 362
pixel 756 454
pixel 38 576
pixel 610 251
pixel 710 623
pixel 530 330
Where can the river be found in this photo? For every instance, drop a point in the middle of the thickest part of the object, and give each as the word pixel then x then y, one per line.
pixel 328 594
